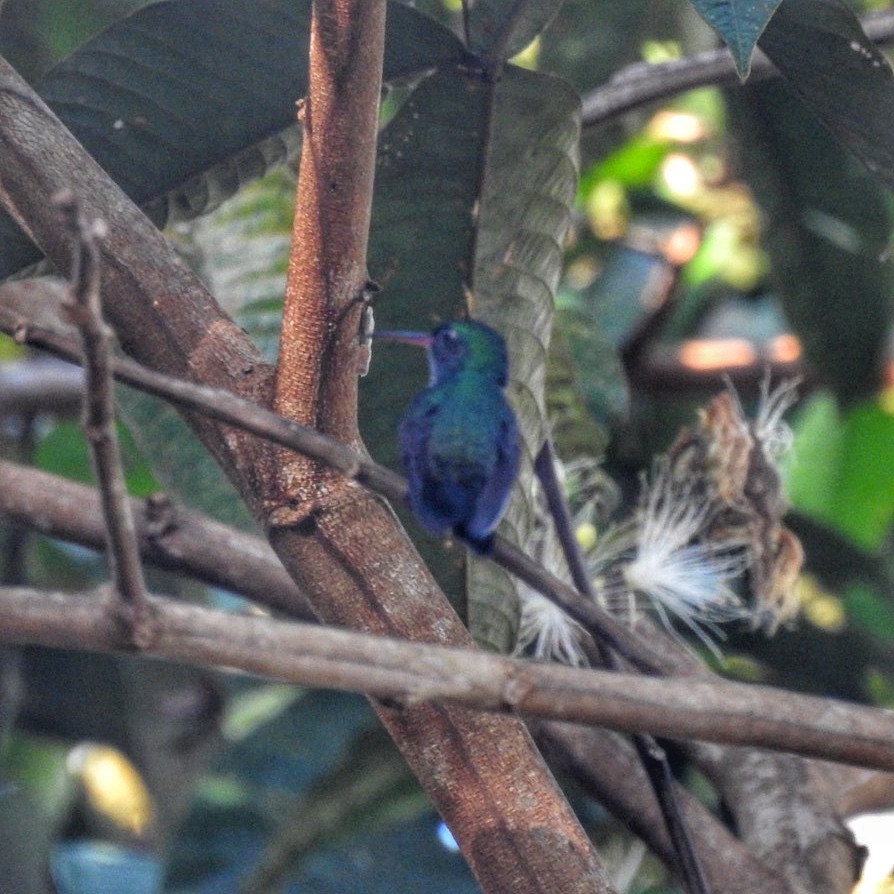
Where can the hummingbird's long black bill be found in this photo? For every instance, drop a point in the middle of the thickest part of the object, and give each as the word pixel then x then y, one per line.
pixel 405 336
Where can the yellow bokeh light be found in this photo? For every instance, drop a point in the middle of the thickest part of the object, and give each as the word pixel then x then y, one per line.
pixel 586 536
pixel 676 127
pixel 681 174
pixel 113 786
pixel 820 607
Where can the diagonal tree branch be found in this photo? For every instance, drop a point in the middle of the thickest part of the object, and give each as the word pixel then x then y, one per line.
pixel 170 536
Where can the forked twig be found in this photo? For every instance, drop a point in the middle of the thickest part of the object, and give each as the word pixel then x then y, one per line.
pixel 84 308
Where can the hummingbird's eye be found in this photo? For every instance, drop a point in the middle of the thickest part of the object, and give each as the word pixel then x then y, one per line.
pixel 447 339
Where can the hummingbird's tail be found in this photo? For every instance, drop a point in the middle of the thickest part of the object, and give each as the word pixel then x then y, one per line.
pixel 483 546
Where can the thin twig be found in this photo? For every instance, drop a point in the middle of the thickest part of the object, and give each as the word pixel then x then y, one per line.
pixel 226 407
pixel 406 673
pixel 651 755
pixel 644 83
pixel 84 308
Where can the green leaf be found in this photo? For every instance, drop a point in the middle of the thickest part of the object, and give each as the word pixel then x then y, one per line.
pixel 740 23
pixel 63 450
pixel 871 611
pixel 425 248
pixel 530 184
pixel 827 231
pixel 499 29
pixel 865 492
pixel 841 473
pixel 812 477
pixel 182 88
pixel 822 51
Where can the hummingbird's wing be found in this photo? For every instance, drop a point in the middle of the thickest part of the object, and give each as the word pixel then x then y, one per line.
pixel 460 447
pixel 417 437
pixel 493 498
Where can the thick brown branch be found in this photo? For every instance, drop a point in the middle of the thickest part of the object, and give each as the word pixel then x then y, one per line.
pixel 606 767
pixel 316 382
pixel 405 673
pixel 170 536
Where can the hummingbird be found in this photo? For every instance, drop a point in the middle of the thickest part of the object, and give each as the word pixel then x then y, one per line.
pixel 459 440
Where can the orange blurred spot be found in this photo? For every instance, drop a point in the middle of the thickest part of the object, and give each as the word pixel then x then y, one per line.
pixel 717 353
pixel 680 247
pixel 785 348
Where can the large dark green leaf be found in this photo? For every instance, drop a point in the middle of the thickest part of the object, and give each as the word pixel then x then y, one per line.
pixel 530 184
pixel 427 182
pixel 822 51
pixel 508 152
pixel 501 28
pixel 827 230
pixel 182 87
pixel 740 23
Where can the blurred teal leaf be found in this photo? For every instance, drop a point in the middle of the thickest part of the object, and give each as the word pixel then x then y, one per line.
pixel 182 88
pixel 501 28
pixel 408 856
pixel 97 867
pixel 315 754
pixel 598 373
pixel 821 49
pixel 740 23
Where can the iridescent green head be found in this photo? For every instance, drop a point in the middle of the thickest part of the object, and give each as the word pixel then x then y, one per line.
pixel 465 346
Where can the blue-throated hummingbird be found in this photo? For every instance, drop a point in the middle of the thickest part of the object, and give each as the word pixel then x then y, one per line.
pixel 459 440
